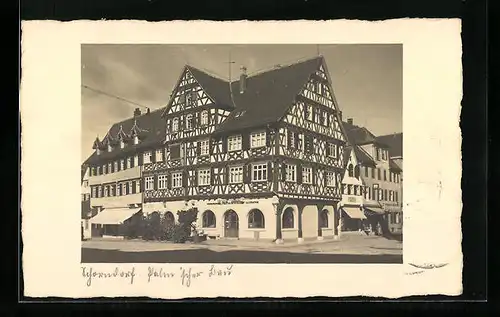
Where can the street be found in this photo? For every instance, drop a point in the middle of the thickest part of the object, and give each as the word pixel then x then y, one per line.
pixel 349 249
pixel 237 256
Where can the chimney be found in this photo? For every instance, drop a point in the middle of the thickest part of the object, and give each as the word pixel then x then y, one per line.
pixel 350 121
pixel 137 112
pixel 243 79
pixel 340 115
pixel 148 111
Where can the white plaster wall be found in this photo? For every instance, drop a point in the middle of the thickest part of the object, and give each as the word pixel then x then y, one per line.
pixel 310 221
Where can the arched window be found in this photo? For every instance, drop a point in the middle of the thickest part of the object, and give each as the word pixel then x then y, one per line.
pixel 169 218
pixel 189 121
pixel 357 172
pixel 351 170
pixel 323 219
pixel 208 219
pixel 204 118
pixel 256 219
pixel 288 221
pixel 175 125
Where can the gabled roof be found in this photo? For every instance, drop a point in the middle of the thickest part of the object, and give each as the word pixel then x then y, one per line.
pixel 358 135
pixel 268 95
pixel 216 88
pixel 364 158
pixel 83 171
pixel 346 155
pixel 393 166
pixel 150 126
pixel 395 143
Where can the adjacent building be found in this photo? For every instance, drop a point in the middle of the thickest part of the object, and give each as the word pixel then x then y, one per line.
pixel 85 202
pixel 115 170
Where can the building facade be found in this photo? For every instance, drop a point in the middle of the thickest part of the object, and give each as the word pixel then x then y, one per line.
pixel 115 171
pixel 85 202
pixel 260 158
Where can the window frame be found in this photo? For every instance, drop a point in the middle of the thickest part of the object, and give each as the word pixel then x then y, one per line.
pixel 207 150
pixel 234 140
pixel 204 118
pixel 177 178
pixel 291 170
pixel 238 171
pixel 258 139
pixel 307 176
pixel 256 167
pixel 202 175
pixel 162 181
pixel 149 183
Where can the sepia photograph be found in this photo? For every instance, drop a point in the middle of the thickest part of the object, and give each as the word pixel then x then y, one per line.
pixel 233 153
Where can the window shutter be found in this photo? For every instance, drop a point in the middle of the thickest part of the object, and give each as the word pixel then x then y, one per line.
pixel 155 182
pixel 245 141
pixel 212 176
pixel 141 185
pixel 134 188
pixel 299 173
pixel 197 119
pixel 141 159
pixel 283 172
pixel 198 148
pixel 196 175
pixel 226 175
pixel 289 139
pixel 153 156
pixel 313 175
pixel 184 178
pixel 169 181
pixel 268 137
pixel 182 98
pixel 328 150
pixel 269 171
pixel 296 140
pixel 246 173
pixel 224 144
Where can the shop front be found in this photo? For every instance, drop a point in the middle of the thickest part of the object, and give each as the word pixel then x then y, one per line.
pixel 109 222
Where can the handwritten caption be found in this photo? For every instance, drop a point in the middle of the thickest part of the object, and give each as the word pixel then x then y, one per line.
pixel 184 275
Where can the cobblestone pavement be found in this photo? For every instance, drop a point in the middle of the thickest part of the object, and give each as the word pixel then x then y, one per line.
pixel 347 244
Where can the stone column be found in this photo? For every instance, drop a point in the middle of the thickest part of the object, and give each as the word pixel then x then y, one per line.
pixel 278 212
pixel 336 220
pixel 300 208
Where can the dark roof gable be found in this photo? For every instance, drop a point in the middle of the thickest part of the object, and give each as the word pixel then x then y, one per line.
pixel 394 142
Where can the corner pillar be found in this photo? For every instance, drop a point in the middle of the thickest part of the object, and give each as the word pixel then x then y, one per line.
pixel 278 210
pixel 300 208
pixel 320 230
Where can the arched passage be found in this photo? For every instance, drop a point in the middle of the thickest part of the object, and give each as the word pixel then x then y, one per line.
pixel 168 219
pixel 323 219
pixel 231 224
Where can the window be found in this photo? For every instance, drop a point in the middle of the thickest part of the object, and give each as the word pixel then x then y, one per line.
pixel 292 140
pixel 332 150
pixel 288 222
pixel 147 157
pixel 99 191
pixel 136 140
pixel 349 189
pixel 330 179
pixel 291 173
pixel 112 190
pixel 189 121
pixel 204 118
pixel 203 177
pixel 138 186
pixel 159 155
pixel 375 192
pixel 350 170
pixel 258 139
pixel 177 180
pixel 162 181
pixel 300 142
pixel 259 172
pixel 93 192
pixel 129 188
pixel 307 175
pixel 124 189
pixel 190 97
pixel 208 219
pixel 323 219
pixel 378 174
pixel 149 183
pixel 309 112
pixel 325 118
pixel 357 172
pixel 366 171
pixel 384 155
pixel 109 169
pixel 385 175
pixel 377 154
pixel 175 125
pixel 255 219
pixel 204 147
pixel 234 143
pixel 396 197
pixel 235 174
pixel 106 191
pixel 129 162
pixel 385 194
pixel 317 116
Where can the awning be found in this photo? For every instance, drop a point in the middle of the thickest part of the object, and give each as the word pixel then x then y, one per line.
pixel 393 209
pixel 374 210
pixel 354 212
pixel 114 216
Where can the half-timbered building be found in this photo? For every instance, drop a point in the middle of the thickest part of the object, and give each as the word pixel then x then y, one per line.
pixel 261 157
pixel 115 170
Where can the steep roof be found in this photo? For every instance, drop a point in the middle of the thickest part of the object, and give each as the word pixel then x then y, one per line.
pixel 216 88
pixel 83 170
pixel 149 126
pixel 347 154
pixel 363 157
pixel 395 143
pixel 268 95
pixel 393 166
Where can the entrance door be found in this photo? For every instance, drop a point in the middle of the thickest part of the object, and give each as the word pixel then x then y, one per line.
pixel 231 229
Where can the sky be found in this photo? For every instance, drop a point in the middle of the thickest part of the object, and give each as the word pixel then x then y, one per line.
pixel 367 79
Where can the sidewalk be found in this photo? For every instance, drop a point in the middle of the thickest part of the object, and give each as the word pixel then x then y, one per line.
pixel 347 244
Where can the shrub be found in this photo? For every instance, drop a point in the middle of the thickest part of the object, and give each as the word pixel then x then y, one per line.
pixel 187 219
pixel 152 227
pixel 133 227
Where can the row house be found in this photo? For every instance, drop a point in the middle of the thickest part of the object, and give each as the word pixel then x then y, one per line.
pixel 380 194
pixel 395 145
pixel 260 157
pixel 115 170
pixel 85 201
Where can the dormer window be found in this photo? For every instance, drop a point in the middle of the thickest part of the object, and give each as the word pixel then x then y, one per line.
pixel 110 148
pixel 122 144
pixel 98 151
pixel 204 118
pixel 175 124
pixel 189 121
pixel 136 140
